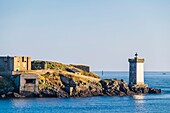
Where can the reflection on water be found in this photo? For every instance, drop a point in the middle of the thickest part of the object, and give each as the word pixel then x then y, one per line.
pixel 19 103
pixel 138 97
pixel 139 103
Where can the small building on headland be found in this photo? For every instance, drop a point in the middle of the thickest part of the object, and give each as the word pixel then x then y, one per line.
pixel 136 71
pixel 8 64
pixel 17 68
pixel 27 83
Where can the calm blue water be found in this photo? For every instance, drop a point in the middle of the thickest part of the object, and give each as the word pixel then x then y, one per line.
pixel 150 103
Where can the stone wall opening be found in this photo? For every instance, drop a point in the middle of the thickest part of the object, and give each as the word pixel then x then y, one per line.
pixel 30 81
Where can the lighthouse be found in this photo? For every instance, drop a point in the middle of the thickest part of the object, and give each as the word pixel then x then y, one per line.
pixel 136 71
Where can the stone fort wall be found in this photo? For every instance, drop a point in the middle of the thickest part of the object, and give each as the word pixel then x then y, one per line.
pixel 16 63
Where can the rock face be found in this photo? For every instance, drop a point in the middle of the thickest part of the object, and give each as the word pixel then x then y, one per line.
pixel 108 87
pixel 89 88
pixel 60 85
pixel 66 86
pixel 6 87
pixel 113 87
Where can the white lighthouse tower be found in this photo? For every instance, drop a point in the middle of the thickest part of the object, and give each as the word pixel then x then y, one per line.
pixel 136 71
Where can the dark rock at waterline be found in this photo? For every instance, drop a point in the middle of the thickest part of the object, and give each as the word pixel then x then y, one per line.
pixel 16 95
pixel 53 93
pixel 114 87
pixel 11 95
pixel 3 96
pixel 154 90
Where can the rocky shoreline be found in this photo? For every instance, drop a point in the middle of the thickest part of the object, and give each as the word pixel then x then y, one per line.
pixel 63 87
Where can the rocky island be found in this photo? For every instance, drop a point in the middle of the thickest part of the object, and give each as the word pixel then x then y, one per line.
pixel 60 80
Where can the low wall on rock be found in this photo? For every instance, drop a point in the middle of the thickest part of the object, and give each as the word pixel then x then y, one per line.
pixel 37 65
pixel 33 72
pixel 82 67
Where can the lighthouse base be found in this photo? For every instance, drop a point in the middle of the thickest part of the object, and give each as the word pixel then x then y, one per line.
pixel 139 85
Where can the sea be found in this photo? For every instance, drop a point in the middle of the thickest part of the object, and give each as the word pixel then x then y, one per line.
pixel 146 103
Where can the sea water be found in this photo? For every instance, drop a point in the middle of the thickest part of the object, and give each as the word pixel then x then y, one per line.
pixel 149 103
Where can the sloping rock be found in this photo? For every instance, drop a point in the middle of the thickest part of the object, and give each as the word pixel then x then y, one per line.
pixel 16 95
pixel 154 90
pixel 114 87
pixel 67 81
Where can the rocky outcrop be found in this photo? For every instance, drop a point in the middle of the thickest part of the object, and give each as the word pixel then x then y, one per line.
pixel 154 90
pixel 108 87
pixel 60 85
pixel 114 87
pixel 67 81
pixel 50 85
pixel 89 88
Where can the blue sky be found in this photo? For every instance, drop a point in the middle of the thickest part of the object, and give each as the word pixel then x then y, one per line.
pixel 102 34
